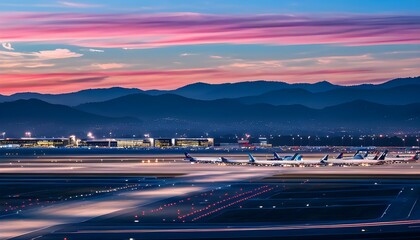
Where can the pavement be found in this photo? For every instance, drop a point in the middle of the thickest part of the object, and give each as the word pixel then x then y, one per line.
pixel 402 213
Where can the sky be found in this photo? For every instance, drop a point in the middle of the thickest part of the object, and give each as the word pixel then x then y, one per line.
pixel 54 46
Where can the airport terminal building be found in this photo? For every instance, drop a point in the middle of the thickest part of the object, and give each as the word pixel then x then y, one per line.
pixel 150 142
pixel 35 142
pixel 113 143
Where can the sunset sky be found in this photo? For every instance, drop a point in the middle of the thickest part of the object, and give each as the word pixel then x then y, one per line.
pixel 54 46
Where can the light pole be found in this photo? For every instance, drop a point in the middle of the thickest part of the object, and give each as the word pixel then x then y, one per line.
pixel 4 134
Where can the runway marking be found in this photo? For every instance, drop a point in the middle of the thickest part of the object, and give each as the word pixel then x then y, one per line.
pixel 36 237
pixel 295 227
pixel 383 214
pixel 389 205
pixel 412 208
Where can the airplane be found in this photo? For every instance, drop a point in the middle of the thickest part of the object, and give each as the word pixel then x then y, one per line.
pixel 192 159
pixel 356 156
pixel 296 156
pixel 293 161
pixel 252 160
pixel 225 160
pixel 358 159
pixel 404 159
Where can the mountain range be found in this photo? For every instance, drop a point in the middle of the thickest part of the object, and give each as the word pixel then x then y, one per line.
pixel 74 98
pixel 258 107
pixel 205 91
pixel 400 95
pixel 317 95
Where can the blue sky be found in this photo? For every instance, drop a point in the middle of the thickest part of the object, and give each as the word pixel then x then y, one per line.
pixel 48 45
pixel 222 6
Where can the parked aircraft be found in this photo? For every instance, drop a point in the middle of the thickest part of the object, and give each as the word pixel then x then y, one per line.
pixel 190 158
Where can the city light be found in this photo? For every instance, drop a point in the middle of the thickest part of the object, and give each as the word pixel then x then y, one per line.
pixel 90 135
pixel 209 119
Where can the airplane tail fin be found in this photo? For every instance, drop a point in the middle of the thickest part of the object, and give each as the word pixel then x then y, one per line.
pixel 295 156
pixel 357 152
pixel 366 154
pixel 224 160
pixel 276 156
pixel 188 157
pixel 383 155
pixel 340 156
pixel 324 159
pixel 377 156
pixel 251 158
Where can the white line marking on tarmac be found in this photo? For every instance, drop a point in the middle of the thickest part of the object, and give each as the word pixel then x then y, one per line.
pixel 383 214
pixel 412 208
pixel 36 237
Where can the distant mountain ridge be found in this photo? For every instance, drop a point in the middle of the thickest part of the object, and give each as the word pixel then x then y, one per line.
pixel 397 82
pixel 400 95
pixel 168 114
pixel 228 113
pixel 241 90
pixel 205 91
pixel 385 108
pixel 74 98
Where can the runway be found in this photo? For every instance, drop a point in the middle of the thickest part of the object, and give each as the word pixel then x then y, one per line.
pixel 111 191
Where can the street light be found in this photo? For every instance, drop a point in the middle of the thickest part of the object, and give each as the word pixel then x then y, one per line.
pixel 28 134
pixel 4 134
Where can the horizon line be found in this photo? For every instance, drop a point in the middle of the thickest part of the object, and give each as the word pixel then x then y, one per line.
pixel 228 82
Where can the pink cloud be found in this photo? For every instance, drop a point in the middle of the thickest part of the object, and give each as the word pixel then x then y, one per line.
pixel 65 81
pixel 106 66
pixel 168 29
